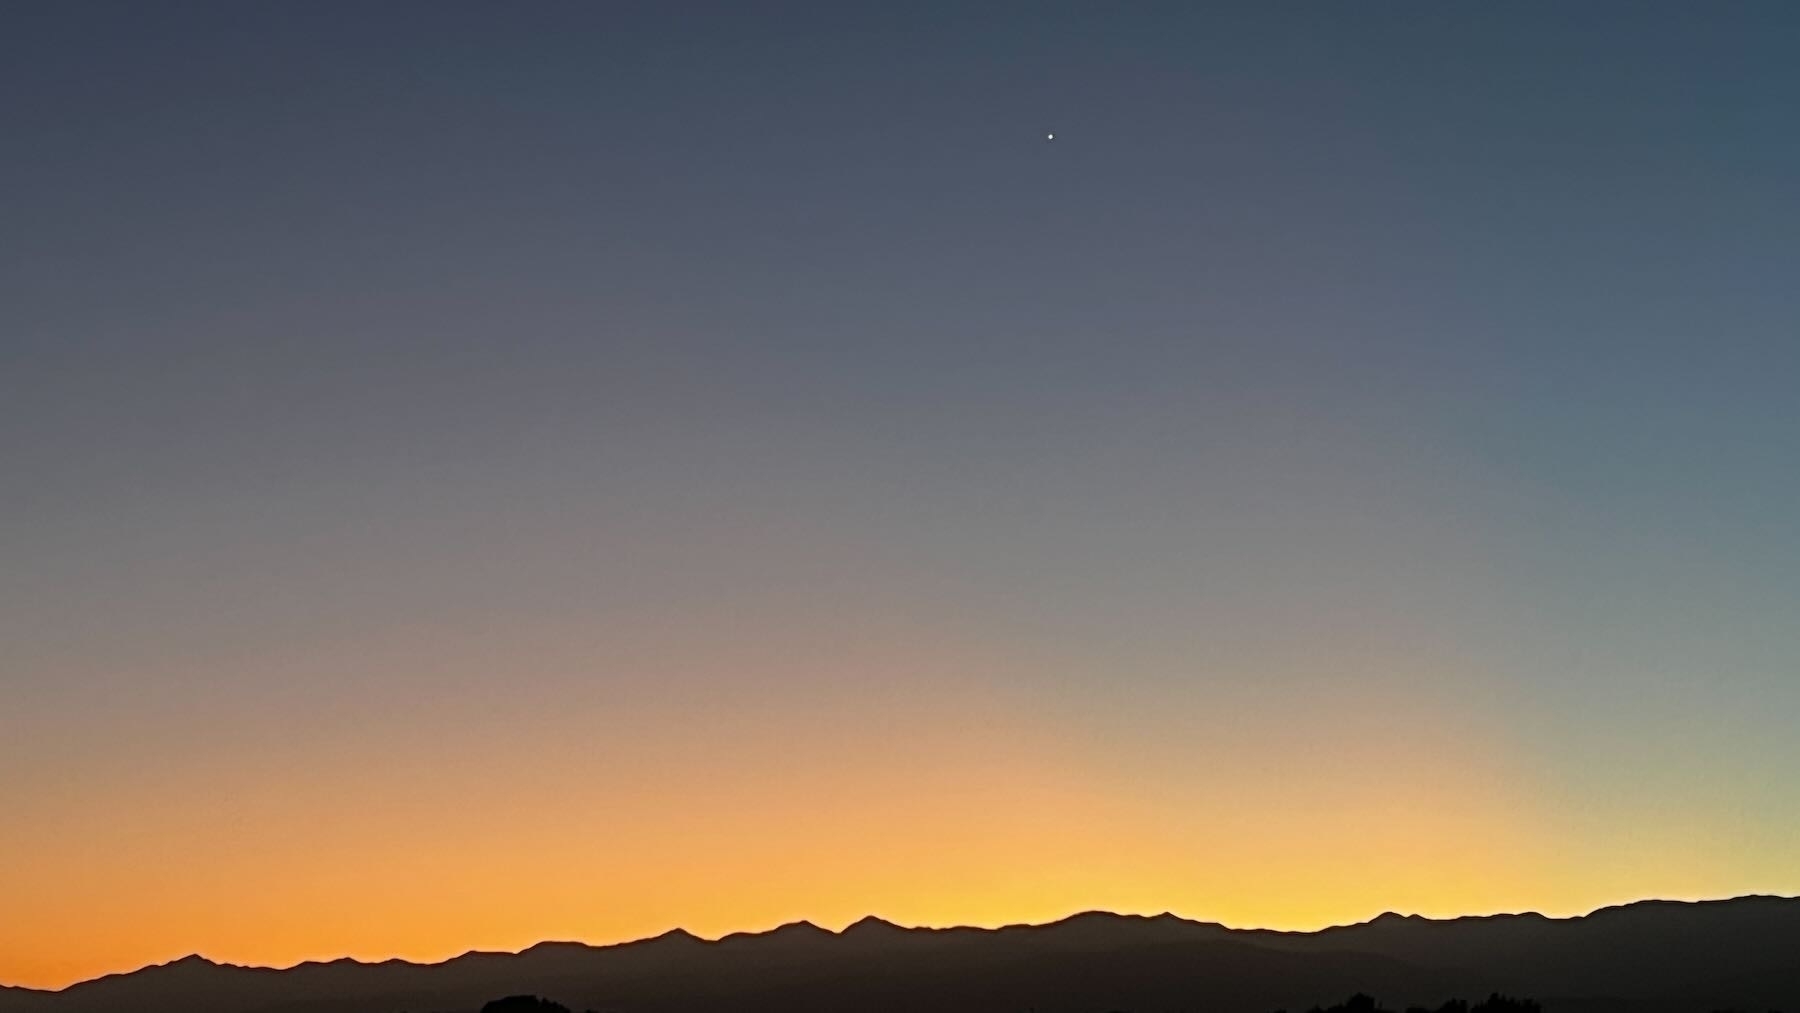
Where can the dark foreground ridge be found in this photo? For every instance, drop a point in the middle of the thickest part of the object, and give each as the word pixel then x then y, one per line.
pixel 1649 957
pixel 1358 1003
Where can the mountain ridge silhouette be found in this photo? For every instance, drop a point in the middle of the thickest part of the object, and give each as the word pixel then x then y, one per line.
pixel 1650 955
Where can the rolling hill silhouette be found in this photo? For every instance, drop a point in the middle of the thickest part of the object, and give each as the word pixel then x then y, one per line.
pixel 1649 957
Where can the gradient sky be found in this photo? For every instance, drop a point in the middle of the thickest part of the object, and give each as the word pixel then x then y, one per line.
pixel 479 473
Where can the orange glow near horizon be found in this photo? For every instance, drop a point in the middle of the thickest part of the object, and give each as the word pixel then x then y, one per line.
pixel 501 794
pixel 926 808
pixel 412 923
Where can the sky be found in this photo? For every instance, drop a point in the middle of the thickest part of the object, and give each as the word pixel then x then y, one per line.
pixel 484 473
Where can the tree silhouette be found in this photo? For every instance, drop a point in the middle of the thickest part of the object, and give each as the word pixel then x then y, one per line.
pixel 524 1004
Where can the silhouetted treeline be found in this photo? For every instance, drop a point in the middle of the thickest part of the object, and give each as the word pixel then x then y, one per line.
pixel 524 1004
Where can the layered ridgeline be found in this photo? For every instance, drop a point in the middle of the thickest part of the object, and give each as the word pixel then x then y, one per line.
pixel 1648 957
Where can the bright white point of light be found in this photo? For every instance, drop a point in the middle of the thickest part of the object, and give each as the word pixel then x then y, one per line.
pixel 1049 137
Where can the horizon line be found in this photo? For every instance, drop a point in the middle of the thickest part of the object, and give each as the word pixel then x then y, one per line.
pixel 681 932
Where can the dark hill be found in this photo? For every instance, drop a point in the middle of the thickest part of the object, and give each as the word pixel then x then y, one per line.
pixel 1653 957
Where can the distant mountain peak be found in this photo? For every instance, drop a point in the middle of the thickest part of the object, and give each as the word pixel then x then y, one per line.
pixel 1114 917
pixel 676 935
pixel 787 931
pixel 333 962
pixel 870 923
pixel 192 961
